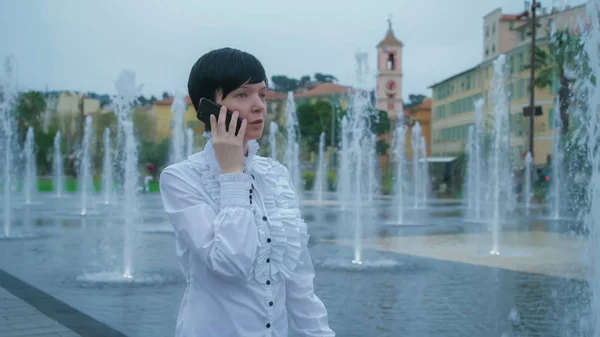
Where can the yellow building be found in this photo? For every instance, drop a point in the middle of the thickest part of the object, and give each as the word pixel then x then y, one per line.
pixel 164 119
pixel 454 97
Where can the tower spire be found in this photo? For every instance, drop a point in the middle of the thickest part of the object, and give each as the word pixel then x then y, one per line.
pixel 389 20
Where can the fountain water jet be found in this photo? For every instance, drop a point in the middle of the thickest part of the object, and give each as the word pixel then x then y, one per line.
pixel 359 164
pixel 189 142
pixel 500 165
pixel 320 184
pixel 420 167
pixel 8 132
pixel 528 193
pixel 557 174
pixel 273 129
pixel 178 108
pixel 126 97
pixel 85 166
pixel 58 167
pixel 399 151
pixel 107 169
pixel 292 153
pixel 30 173
pixel 475 165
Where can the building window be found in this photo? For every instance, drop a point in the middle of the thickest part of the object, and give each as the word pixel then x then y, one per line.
pixel 487 52
pixel 493 48
pixel 487 31
pixel 390 62
pixel 494 28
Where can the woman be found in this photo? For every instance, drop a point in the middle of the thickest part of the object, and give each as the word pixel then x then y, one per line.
pixel 241 241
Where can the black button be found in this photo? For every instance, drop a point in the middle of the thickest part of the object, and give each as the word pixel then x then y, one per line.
pixel 252 176
pixel 269 240
pixel 250 196
pixel 250 201
pixel 271 304
pixel 250 190
pixel 264 218
pixel 268 260
pixel 268 282
pixel 268 325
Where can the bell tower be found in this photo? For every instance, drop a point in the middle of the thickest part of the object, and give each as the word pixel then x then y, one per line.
pixel 389 73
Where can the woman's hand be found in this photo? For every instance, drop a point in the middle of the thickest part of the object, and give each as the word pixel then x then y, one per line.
pixel 229 148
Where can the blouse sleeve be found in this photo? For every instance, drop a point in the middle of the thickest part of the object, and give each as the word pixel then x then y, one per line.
pixel 227 241
pixel 308 313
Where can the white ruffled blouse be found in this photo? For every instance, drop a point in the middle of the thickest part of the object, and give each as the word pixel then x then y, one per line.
pixel 242 245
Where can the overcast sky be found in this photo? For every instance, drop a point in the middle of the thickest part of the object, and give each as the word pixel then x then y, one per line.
pixel 83 44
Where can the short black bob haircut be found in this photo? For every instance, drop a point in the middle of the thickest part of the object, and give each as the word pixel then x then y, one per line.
pixel 226 69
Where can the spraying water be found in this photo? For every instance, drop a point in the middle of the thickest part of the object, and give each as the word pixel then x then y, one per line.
pixel 292 153
pixel 360 160
pixel 557 174
pixel 8 132
pixel 420 168
pixel 30 173
pixel 107 169
pixel 589 129
pixel 189 142
pixel 273 129
pixel 178 108
pixel 528 194
pixel 344 186
pixel 85 166
pixel 500 166
pixel 425 171
pixel 399 151
pixel 475 164
pixel 321 176
pixel 126 97
pixel 58 167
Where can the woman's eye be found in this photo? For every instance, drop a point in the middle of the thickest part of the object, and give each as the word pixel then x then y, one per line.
pixel 241 95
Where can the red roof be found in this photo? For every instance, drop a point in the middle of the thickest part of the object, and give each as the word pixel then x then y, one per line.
pixel 509 17
pixel 275 96
pixel 169 101
pixel 325 89
pixel 425 105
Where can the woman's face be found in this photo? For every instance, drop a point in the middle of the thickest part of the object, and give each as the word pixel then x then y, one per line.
pixel 249 101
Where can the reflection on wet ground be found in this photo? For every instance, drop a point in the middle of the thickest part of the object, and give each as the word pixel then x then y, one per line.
pixel 430 276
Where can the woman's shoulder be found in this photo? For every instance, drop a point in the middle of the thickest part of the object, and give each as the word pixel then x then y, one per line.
pixel 193 169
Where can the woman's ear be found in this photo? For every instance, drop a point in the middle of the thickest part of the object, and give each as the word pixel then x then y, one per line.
pixel 219 96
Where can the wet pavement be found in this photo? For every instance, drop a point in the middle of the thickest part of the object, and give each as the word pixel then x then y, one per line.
pixel 431 276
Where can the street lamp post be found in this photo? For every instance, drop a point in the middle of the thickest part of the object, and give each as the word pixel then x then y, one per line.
pixel 534 6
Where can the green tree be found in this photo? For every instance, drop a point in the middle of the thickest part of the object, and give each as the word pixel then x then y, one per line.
pixel 312 120
pixel 325 78
pixel 155 153
pixel 554 63
pixel 380 125
pixel 44 142
pixel 29 111
pixel 414 100
pixel 283 83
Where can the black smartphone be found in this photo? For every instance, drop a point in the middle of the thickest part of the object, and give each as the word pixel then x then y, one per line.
pixel 208 107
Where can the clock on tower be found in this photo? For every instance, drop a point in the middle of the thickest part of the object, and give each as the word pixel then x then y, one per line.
pixel 391 86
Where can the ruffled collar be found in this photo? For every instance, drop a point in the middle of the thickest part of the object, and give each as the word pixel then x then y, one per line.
pixel 209 156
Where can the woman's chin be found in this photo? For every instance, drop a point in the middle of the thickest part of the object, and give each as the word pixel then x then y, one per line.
pixel 252 135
